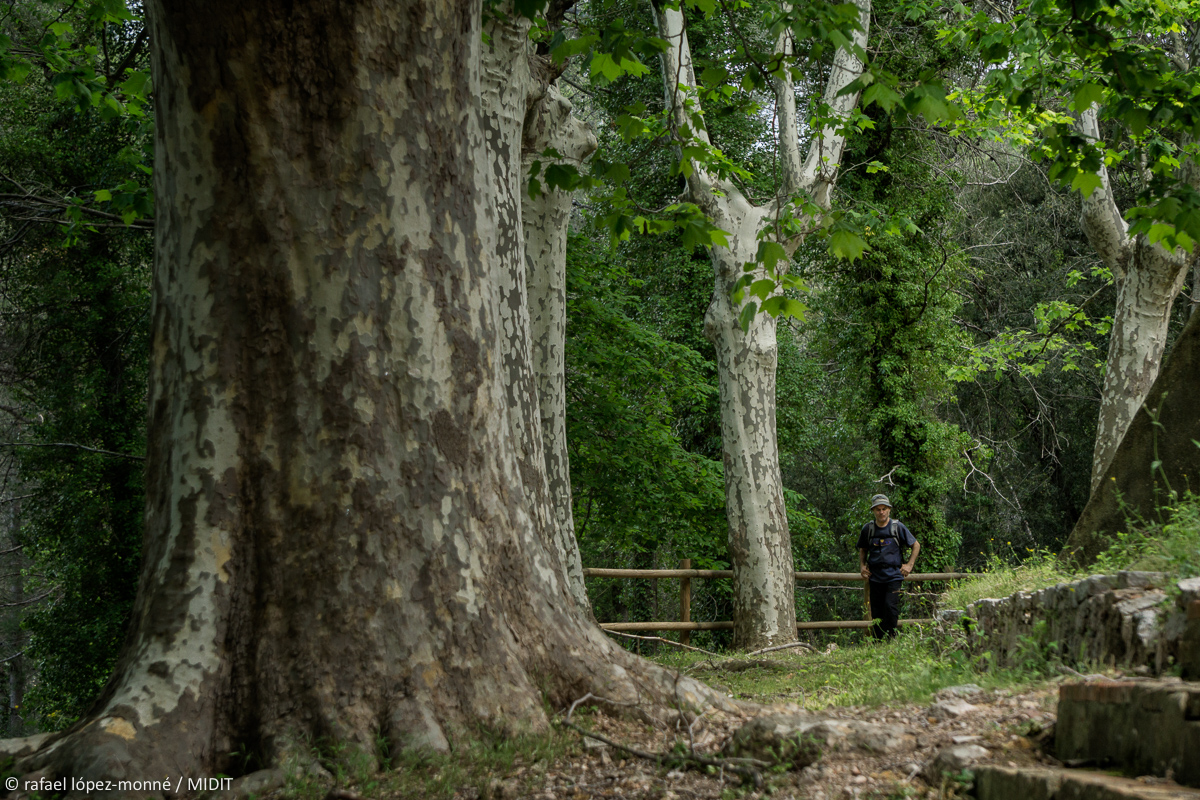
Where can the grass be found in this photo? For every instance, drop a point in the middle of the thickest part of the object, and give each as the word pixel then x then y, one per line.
pixel 909 669
pixel 479 762
pixel 1001 579
pixel 1172 548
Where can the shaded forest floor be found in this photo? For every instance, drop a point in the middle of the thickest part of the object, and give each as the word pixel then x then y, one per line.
pixel 887 684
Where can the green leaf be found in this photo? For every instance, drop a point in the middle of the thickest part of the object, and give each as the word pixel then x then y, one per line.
pixel 103 196
pixel 762 288
pixel 847 245
pixel 1158 232
pixel 1088 95
pixel 604 66
pixel 528 8
pixel 1086 183
pixel 769 254
pixel 747 315
pixel 880 95
pixel 780 306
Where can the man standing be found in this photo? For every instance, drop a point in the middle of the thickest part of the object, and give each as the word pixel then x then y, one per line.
pixel 879 559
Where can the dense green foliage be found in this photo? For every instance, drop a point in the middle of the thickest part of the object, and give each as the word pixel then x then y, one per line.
pixel 951 355
pixel 73 361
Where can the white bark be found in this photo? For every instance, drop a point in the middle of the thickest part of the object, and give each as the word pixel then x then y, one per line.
pixel 338 543
pixel 546 218
pixel 510 93
pixel 759 540
pixel 1148 278
pixel 760 548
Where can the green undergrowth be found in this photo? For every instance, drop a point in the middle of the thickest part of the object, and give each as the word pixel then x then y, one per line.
pixel 482 763
pixel 853 672
pixel 1002 578
pixel 909 669
pixel 1172 547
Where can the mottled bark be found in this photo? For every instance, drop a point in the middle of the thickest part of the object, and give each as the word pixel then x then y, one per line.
pixel 1148 279
pixel 1163 430
pixel 507 84
pixel 759 541
pixel 760 547
pixel 338 539
pixel 550 124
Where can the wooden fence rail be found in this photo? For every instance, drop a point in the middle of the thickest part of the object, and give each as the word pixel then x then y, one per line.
pixel 685 574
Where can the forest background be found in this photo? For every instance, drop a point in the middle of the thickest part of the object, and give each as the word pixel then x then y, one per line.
pixel 950 352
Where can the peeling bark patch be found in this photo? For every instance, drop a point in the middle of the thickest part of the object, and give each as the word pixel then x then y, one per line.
pixel 450 439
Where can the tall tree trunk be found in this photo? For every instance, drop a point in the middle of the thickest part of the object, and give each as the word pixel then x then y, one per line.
pixel 760 547
pixel 550 124
pixel 1148 279
pixel 1145 293
pixel 338 542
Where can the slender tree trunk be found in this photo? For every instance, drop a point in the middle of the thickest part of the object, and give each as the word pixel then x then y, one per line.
pixel 1145 294
pixel 1148 279
pixel 338 541
pixel 550 124
pixel 760 545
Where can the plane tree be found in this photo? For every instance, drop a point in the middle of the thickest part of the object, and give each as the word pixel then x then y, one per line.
pixel 339 539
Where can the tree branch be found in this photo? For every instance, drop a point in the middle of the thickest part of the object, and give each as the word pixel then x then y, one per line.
pixel 28 602
pixel 788 131
pixel 116 75
pixel 750 769
pixel 825 154
pixel 1106 231
pixel 75 446
pixel 679 81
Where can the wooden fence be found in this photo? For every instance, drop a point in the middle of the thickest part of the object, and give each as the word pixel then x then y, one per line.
pixel 685 574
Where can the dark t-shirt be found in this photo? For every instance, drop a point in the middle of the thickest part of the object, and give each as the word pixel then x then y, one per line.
pixel 877 557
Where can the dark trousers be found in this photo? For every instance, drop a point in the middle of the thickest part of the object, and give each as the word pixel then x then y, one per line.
pixel 885 608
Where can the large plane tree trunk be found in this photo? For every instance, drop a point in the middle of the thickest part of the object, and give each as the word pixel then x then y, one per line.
pixel 338 542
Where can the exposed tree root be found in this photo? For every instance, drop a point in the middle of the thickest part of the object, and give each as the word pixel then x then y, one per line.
pixel 668 641
pixel 749 769
pixel 787 646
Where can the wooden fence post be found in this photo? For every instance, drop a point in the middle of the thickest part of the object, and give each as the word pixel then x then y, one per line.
pixel 867 599
pixel 685 601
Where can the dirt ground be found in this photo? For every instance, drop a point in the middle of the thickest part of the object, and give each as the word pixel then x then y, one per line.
pixel 1005 724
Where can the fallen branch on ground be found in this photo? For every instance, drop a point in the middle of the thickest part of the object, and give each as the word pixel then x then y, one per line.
pixel 749 769
pixel 783 647
pixel 660 639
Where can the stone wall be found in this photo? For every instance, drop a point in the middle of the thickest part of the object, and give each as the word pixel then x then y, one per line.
pixel 1129 620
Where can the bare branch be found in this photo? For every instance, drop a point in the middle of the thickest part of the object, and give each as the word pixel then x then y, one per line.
pixel 825 154
pixel 679 85
pixel 661 639
pixel 75 446
pixel 790 645
pixel 28 602
pixel 747 768
pixel 1106 231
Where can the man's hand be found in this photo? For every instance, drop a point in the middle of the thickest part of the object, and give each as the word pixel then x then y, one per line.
pixel 905 569
pixel 865 571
